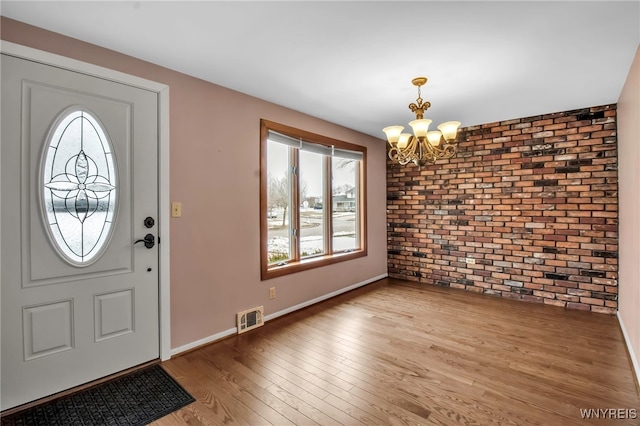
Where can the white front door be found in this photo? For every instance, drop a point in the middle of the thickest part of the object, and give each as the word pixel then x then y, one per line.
pixel 79 179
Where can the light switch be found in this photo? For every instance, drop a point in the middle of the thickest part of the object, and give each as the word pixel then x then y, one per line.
pixel 176 209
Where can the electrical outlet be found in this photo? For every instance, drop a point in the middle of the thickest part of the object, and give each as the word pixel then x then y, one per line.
pixel 470 261
pixel 272 293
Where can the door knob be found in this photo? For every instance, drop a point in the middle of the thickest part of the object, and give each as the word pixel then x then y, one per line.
pixel 149 241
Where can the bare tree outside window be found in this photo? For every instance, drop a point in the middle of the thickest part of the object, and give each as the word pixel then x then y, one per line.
pixel 278 197
pixel 278 204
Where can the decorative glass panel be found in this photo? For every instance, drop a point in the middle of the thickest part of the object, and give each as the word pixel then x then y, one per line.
pixel 80 190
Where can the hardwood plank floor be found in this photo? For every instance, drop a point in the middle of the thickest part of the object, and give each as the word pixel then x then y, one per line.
pixel 398 353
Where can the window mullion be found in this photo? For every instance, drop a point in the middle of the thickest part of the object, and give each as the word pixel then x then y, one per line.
pixel 295 204
pixel 359 207
pixel 328 206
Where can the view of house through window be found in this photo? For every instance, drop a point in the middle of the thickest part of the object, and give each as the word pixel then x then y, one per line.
pixel 344 192
pixel 312 198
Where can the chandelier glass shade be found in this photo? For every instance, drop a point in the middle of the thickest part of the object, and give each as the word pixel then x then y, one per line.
pixel 423 146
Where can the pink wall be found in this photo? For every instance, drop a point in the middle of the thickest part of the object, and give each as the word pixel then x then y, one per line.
pixel 214 167
pixel 629 175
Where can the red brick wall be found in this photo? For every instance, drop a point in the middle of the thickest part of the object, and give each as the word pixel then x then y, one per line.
pixel 534 201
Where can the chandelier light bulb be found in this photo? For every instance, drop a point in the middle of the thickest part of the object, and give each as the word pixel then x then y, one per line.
pixel 393 133
pixel 404 140
pixel 420 127
pixel 434 137
pixel 449 130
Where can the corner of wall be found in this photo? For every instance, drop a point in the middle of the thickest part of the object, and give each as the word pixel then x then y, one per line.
pixel 629 227
pixel 635 364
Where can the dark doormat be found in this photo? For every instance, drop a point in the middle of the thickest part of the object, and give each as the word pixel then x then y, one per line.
pixel 138 398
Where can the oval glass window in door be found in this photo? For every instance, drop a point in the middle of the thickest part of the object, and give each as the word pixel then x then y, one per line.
pixel 79 187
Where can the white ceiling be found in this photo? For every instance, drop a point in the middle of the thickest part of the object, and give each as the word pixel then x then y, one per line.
pixel 352 62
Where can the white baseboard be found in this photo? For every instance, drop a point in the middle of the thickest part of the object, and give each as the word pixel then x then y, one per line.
pixel 627 340
pixel 321 298
pixel 234 330
pixel 204 341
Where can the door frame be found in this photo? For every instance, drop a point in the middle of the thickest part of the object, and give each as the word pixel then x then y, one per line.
pixel 162 91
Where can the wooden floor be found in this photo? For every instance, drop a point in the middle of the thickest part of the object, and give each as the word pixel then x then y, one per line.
pixel 397 353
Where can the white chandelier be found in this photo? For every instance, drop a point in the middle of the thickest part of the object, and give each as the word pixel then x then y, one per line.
pixel 423 146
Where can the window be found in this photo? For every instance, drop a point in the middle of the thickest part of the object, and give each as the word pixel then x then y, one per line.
pixel 312 200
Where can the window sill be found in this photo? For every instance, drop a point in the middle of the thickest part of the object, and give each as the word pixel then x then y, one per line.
pixel 274 271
